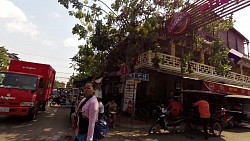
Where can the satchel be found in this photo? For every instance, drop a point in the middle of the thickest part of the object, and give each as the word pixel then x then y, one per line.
pixel 101 129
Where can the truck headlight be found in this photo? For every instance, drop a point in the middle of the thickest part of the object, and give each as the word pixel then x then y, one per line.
pixel 27 104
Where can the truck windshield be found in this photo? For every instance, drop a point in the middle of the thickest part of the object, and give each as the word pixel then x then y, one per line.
pixel 18 81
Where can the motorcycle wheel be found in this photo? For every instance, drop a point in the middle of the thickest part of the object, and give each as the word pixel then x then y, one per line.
pixel 52 104
pixel 181 128
pixel 155 128
pixel 216 129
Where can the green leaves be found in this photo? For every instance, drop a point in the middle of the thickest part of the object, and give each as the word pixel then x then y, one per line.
pixel 4 61
pixel 128 28
pixel 219 57
pixel 80 30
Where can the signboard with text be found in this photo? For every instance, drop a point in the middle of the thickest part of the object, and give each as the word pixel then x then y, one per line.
pixel 138 76
pixel 226 89
pixel 129 96
pixel 199 13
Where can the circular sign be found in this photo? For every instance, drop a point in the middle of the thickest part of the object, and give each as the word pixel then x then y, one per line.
pixel 124 70
pixel 179 23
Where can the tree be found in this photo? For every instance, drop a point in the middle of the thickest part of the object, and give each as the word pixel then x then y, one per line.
pixel 58 84
pixel 4 61
pixel 128 28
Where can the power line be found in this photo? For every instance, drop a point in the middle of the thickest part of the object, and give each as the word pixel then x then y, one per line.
pixel 53 58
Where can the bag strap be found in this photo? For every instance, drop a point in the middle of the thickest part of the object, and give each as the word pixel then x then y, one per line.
pixel 85 101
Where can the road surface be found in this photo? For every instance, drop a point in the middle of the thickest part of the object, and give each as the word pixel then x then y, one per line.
pixel 53 125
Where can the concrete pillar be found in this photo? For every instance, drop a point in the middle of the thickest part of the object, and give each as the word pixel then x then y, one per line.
pixel 241 70
pixel 172 46
pixel 202 56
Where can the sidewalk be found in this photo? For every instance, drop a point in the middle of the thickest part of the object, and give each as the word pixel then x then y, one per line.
pixel 128 122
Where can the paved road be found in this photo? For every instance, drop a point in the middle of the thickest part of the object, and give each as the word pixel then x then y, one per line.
pixel 53 125
pixel 125 134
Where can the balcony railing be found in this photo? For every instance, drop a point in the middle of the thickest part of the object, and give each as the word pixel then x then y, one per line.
pixel 174 63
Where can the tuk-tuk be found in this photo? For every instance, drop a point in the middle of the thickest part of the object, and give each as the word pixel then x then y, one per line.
pixel 215 100
pixel 216 103
pixel 239 108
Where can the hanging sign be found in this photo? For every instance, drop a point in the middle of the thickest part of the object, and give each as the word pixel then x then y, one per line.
pixel 179 23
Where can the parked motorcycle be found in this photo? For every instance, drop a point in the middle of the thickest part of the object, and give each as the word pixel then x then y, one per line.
pixel 167 122
pixel 228 119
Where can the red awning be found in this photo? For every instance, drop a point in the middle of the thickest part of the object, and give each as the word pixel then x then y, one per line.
pixel 226 89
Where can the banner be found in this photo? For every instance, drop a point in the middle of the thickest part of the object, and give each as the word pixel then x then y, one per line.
pixel 226 89
pixel 129 96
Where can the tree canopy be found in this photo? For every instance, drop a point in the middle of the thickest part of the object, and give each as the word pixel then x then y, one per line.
pixel 119 32
pixel 4 61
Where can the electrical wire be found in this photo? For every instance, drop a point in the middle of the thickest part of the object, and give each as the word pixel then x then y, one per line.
pixel 53 58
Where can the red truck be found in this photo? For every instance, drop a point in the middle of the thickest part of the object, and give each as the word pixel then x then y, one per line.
pixel 25 88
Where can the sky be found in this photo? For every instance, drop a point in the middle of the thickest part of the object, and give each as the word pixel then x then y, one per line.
pixel 40 31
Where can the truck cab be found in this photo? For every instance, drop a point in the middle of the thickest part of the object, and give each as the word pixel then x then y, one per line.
pixel 19 93
pixel 25 88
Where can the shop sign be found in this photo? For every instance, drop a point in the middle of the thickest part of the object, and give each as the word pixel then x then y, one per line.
pixel 138 76
pixel 179 23
pixel 129 98
pixel 220 88
pixel 212 4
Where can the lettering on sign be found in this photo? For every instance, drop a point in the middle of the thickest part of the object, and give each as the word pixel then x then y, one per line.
pixel 211 86
pixel 7 98
pixel 179 23
pixel 29 68
pixel 233 89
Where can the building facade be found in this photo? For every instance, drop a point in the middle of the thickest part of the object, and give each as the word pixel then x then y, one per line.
pixel 167 78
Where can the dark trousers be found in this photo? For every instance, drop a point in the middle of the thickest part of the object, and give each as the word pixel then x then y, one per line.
pixel 205 122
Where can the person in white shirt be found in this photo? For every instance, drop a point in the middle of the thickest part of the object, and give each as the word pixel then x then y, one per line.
pixel 101 108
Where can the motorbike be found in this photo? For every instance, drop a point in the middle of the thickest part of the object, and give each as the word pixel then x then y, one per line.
pixel 228 119
pixel 167 122
pixel 57 100
pixel 111 119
